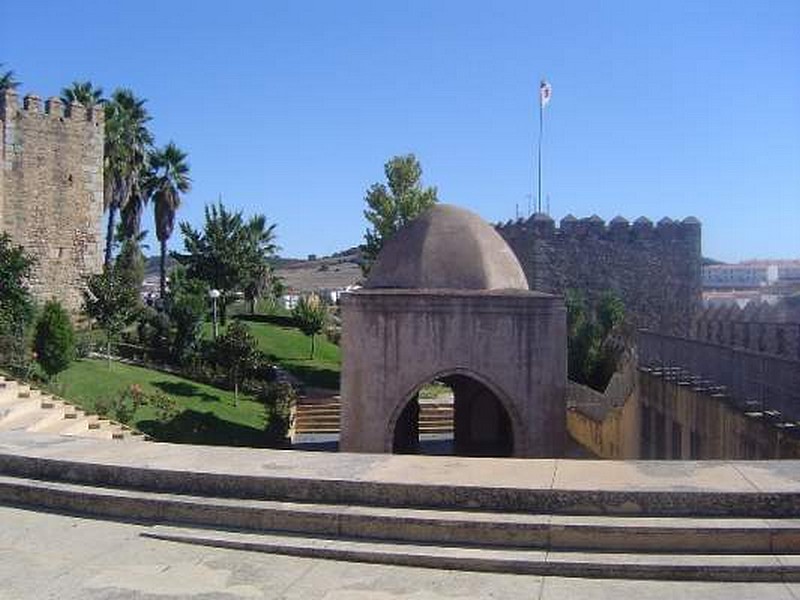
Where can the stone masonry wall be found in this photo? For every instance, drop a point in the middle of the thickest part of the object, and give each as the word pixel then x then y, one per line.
pixel 655 270
pixel 761 327
pixel 51 191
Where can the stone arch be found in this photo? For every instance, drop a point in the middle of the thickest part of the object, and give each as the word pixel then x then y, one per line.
pixel 517 426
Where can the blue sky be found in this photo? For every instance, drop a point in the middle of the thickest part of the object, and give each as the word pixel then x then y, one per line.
pixel 292 108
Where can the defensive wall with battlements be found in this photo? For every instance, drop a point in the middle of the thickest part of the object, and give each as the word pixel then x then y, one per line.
pixel 51 190
pixel 655 269
pixel 761 327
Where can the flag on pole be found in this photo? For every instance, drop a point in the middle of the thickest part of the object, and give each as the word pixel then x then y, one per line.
pixel 545 91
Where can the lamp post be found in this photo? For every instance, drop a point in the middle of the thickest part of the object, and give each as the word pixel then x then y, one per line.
pixel 214 294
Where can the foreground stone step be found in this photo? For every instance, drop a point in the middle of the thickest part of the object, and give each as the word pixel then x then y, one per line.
pixel 467 528
pixel 532 562
pixel 23 416
pixel 748 489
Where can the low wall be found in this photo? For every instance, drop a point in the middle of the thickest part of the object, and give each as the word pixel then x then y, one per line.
pixel 669 414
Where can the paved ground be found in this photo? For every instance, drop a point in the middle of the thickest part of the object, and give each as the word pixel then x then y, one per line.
pixel 48 556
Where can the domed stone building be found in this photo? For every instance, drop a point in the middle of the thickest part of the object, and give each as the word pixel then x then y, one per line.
pixel 448 301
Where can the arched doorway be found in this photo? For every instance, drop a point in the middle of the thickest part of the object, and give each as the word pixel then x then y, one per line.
pixel 481 424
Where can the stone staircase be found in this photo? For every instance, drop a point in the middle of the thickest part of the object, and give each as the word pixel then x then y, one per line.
pixel 634 530
pixel 320 415
pixel 23 408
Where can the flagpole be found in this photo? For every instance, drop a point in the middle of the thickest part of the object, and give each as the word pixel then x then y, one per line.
pixel 541 122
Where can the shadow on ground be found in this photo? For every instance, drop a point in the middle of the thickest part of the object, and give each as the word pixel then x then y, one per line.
pixel 185 389
pixel 195 427
pixel 280 320
pixel 314 376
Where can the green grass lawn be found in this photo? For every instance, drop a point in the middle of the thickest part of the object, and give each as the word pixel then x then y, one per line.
pixel 207 414
pixel 290 348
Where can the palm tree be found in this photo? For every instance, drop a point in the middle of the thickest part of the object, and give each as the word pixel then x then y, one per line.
pixel 263 246
pixel 127 147
pixel 8 81
pixel 82 92
pixel 170 179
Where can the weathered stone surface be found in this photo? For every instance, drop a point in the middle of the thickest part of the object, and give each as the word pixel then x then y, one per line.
pixel 447 247
pixel 51 191
pixel 655 270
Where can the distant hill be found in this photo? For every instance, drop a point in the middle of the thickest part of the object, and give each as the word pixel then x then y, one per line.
pixel 317 273
pixel 151 265
pixel 299 274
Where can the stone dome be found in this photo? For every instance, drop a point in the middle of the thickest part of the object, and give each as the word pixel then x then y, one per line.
pixel 447 247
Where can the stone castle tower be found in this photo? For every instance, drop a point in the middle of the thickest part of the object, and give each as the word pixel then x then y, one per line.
pixel 51 190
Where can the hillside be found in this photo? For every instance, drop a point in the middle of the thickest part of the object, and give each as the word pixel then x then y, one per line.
pixel 299 275
pixel 329 272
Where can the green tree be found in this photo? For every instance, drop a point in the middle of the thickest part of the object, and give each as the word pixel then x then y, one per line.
pixel 125 168
pixel 8 81
pixel 226 253
pixel 170 180
pixel 16 303
pixel 54 340
pixel 130 261
pixel 187 307
pixel 310 314
pixel 592 350
pixel 84 93
pixel 111 302
pixel 259 274
pixel 236 351
pixel 390 207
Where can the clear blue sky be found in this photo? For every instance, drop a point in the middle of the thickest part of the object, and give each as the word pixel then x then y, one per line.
pixel 292 108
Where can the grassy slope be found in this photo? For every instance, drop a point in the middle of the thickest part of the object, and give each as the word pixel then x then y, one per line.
pixel 208 414
pixel 290 348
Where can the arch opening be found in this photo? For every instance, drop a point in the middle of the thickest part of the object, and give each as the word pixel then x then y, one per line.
pixel 454 414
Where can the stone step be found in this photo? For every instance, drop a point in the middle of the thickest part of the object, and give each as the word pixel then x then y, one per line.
pixel 779 568
pixel 318 413
pixel 24 418
pixel 21 405
pixel 55 420
pixel 8 389
pixel 12 398
pixel 645 488
pixel 441 527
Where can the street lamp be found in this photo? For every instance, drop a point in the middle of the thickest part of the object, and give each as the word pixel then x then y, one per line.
pixel 214 294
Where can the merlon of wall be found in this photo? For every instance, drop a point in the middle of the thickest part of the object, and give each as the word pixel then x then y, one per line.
pixel 53 108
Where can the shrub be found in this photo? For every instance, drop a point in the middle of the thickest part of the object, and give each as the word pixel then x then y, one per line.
pixel 236 351
pixel 54 340
pixel 278 398
pixel 310 314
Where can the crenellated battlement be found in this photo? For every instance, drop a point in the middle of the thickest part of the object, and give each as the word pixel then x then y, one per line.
pixel 53 108
pixel 619 228
pixel 654 268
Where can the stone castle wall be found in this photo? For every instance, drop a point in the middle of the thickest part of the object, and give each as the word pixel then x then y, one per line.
pixel 51 191
pixel 656 270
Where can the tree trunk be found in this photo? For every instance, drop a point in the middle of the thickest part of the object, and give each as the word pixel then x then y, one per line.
pixel 162 282
pixel 312 346
pixel 112 214
pixel 235 385
pixel 252 306
pixel 108 350
pixel 223 310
